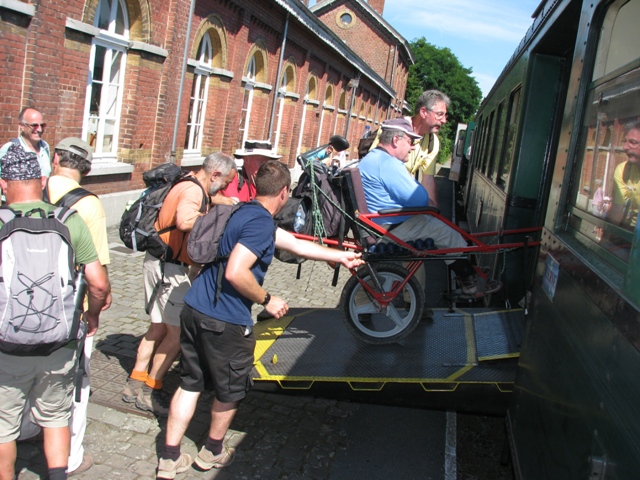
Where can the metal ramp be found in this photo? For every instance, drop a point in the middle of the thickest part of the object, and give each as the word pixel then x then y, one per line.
pixel 467 346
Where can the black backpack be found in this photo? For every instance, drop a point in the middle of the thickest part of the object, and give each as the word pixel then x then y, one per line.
pixel 365 143
pixel 137 225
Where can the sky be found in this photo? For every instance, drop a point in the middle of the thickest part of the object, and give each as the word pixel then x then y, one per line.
pixel 483 34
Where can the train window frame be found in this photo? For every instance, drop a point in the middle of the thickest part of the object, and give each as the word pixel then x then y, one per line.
pixel 488 148
pixel 511 128
pixel 605 239
pixel 498 142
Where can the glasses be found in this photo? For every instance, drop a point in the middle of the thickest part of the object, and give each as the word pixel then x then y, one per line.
pixel 438 115
pixel 34 126
pixel 412 141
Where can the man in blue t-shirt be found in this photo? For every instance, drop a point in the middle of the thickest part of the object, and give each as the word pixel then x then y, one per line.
pixel 217 341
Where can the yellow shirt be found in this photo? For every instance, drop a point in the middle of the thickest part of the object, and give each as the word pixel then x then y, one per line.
pixel 628 190
pixel 90 210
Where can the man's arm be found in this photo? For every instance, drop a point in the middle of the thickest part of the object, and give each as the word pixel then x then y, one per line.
pixel 188 209
pixel 98 293
pixel 238 274
pixel 313 251
pixel 429 183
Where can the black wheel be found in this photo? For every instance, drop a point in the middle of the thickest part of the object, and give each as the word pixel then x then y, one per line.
pixel 374 324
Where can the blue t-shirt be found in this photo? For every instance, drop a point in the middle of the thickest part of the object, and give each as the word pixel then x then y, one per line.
pixel 388 184
pixel 253 227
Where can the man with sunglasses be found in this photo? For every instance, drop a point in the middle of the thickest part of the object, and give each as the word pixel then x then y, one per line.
pixel 32 126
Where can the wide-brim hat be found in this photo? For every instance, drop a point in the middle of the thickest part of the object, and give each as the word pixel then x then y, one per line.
pixel 257 147
pixel 402 125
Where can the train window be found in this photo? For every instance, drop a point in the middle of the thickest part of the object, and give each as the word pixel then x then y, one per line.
pixel 605 195
pixel 498 143
pixel 488 141
pixel 510 138
pixel 618 44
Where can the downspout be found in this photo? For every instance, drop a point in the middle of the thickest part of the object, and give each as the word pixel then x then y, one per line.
pixel 393 69
pixel 353 99
pixel 375 116
pixel 172 157
pixel 279 72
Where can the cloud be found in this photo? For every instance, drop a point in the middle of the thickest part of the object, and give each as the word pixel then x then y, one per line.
pixel 485 82
pixel 477 20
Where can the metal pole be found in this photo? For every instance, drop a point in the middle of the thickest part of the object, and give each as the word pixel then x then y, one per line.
pixel 172 158
pixel 277 87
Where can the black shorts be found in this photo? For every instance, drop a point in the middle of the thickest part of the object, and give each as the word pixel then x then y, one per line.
pixel 216 356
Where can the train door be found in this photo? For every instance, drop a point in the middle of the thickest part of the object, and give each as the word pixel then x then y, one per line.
pixel 458 153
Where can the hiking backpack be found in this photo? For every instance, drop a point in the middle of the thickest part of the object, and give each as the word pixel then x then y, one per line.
pixel 41 293
pixel 137 225
pixel 207 231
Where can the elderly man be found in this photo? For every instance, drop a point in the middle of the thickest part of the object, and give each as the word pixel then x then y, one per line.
pixel 626 190
pixel 217 335
pixel 170 278
pixel 31 125
pixel 388 184
pixel 45 382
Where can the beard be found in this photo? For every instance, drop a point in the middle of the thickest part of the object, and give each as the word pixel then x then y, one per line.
pixel 215 187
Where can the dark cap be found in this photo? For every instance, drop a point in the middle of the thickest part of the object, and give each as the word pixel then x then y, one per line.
pixel 18 164
pixel 76 146
pixel 401 124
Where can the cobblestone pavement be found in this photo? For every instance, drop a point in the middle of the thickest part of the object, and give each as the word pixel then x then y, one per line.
pixel 279 436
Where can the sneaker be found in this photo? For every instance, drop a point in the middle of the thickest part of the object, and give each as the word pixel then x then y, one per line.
pixel 87 463
pixel 474 287
pixel 168 469
pixel 154 401
pixel 131 390
pixel 207 460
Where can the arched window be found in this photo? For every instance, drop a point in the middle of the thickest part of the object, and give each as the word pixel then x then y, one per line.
pixel 254 72
pixel 309 102
pixel 287 85
pixel 199 91
pixel 106 79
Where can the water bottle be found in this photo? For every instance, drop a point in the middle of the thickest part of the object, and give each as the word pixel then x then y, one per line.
pixel 80 288
pixel 367 131
pixel 300 219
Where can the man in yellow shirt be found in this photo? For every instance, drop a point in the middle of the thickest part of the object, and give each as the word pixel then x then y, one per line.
pixel 72 161
pixel 626 189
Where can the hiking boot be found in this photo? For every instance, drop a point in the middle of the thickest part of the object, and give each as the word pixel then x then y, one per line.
pixel 87 463
pixel 168 469
pixel 207 460
pixel 131 390
pixel 154 401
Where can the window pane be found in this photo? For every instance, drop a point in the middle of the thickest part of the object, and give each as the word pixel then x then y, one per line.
pixel 120 26
pixel 507 161
pixel 104 14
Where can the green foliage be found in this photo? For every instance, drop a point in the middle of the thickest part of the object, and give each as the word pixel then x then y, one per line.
pixel 438 68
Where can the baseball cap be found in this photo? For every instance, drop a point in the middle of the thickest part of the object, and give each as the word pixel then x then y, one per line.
pixel 19 164
pixel 401 124
pixel 76 146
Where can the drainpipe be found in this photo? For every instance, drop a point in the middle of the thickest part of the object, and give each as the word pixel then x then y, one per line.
pixel 354 86
pixel 393 69
pixel 172 158
pixel 277 87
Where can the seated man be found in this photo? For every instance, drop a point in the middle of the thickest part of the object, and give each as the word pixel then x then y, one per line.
pixel 388 184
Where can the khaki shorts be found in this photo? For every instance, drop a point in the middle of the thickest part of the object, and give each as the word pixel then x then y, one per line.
pixel 47 382
pixel 170 298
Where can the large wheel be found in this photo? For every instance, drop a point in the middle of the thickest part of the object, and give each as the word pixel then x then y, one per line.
pixel 374 324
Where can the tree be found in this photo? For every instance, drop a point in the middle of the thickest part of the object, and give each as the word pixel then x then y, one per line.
pixel 438 68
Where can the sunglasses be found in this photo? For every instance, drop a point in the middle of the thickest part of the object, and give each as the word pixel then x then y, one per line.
pixel 34 126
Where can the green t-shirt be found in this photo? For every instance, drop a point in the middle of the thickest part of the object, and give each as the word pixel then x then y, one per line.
pixel 80 236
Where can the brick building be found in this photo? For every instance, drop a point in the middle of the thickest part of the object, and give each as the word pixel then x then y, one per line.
pixel 110 71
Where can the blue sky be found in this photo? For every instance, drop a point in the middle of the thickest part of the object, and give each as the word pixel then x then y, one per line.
pixel 483 34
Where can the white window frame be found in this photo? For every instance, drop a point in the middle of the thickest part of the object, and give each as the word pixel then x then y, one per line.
pixel 114 44
pixel 202 71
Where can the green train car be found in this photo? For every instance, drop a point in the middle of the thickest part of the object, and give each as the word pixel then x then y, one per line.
pixel 557 145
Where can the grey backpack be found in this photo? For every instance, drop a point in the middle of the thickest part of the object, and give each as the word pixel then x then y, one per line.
pixel 39 309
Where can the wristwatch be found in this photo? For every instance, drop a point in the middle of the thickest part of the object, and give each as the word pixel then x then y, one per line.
pixel 267 299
